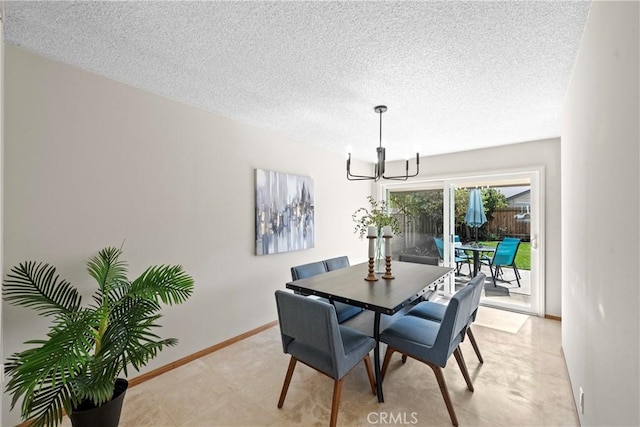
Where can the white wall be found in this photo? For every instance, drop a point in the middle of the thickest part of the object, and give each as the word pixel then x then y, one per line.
pixel 600 214
pixel 515 156
pixel 91 162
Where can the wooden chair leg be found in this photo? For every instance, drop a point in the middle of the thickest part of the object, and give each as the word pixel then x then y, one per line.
pixel 472 338
pixel 337 389
pixel 287 380
pixel 372 382
pixel 463 367
pixel 445 393
pixel 385 364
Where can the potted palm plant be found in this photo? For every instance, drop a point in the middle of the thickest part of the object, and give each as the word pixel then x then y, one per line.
pixel 76 368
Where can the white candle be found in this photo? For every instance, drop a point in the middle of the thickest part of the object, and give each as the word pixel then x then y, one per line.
pixel 386 231
pixel 387 246
pixel 371 248
pixel 372 231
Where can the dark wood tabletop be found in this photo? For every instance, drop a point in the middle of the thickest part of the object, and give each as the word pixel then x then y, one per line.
pixel 383 296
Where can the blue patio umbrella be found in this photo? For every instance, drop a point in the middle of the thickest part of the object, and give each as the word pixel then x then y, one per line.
pixel 475 216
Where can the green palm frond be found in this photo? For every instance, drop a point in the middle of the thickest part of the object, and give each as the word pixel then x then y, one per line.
pixel 107 269
pixel 130 333
pixel 97 383
pixel 87 348
pixel 52 401
pixel 169 283
pixel 44 375
pixel 36 285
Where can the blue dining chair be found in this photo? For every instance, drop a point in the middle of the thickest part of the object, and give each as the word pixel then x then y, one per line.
pixel 311 334
pixel 460 256
pixel 433 342
pixel 505 256
pixel 344 311
pixel 336 263
pixel 308 270
pixel 435 311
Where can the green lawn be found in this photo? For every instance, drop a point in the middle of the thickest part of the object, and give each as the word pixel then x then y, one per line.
pixel 523 257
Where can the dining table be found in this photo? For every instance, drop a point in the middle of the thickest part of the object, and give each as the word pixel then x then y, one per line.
pixel 476 249
pixel 383 296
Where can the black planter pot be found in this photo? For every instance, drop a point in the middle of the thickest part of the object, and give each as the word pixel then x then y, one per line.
pixel 107 415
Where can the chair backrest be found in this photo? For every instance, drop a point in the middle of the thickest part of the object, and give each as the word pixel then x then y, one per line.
pixel 336 263
pixel 510 239
pixel 310 332
pixel 418 259
pixel 454 323
pixel 308 270
pixel 478 282
pixel 506 252
pixel 440 245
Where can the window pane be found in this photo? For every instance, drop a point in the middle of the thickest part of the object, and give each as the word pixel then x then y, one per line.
pixel 421 218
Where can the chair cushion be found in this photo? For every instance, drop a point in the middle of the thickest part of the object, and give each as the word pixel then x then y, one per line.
pixel 428 310
pixel 411 333
pixel 346 311
pixel 356 346
pixel 311 356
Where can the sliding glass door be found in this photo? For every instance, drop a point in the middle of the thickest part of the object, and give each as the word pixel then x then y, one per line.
pixel 433 216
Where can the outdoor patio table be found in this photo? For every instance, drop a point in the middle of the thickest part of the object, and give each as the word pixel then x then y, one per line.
pixel 386 296
pixel 476 254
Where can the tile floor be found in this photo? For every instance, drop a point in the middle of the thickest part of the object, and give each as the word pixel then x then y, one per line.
pixel 523 382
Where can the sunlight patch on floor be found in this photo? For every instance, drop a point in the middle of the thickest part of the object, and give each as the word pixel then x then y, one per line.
pixel 501 320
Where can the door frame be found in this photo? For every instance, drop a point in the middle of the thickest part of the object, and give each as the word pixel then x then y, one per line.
pixel 536 177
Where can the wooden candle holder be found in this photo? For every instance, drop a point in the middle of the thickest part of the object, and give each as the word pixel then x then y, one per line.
pixel 387 274
pixel 371 277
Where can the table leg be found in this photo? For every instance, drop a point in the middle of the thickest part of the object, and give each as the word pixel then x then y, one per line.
pixel 376 356
pixel 476 262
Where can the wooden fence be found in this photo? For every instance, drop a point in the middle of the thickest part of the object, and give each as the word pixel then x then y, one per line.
pixel 510 222
pixel 419 232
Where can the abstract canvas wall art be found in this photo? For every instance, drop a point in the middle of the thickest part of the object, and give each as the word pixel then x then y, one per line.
pixel 284 212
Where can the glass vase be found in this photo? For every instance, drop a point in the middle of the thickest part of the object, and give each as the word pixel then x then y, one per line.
pixel 378 260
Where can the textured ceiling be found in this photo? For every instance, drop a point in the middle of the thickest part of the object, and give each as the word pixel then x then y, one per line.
pixel 455 75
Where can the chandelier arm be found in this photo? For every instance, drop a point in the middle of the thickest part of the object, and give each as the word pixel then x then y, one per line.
pixel 352 177
pixel 406 175
pixel 359 177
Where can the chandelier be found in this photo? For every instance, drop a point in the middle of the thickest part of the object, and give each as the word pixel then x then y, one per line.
pixel 378 171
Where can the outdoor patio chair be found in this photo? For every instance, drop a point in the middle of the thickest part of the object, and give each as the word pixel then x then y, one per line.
pixel 311 334
pixel 460 256
pixel 344 311
pixel 435 311
pixel 433 342
pixel 504 256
